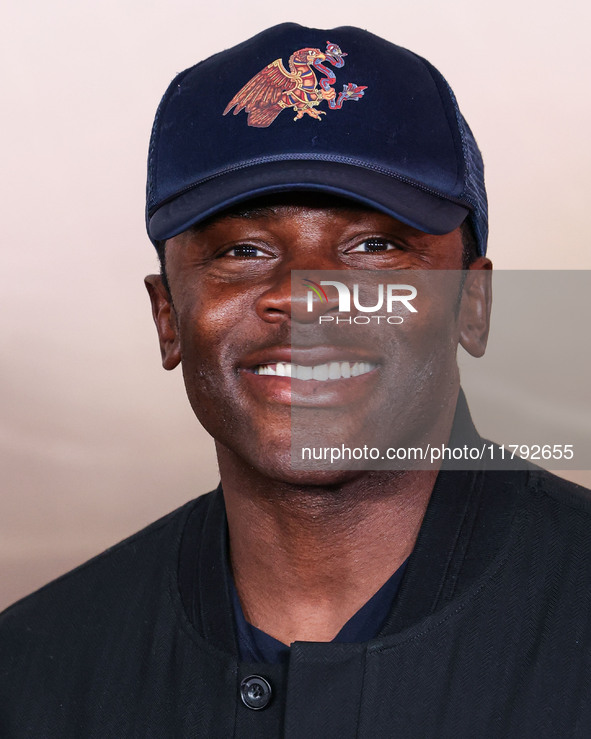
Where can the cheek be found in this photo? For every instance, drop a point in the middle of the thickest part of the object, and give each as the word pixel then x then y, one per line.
pixel 421 369
pixel 430 333
pixel 212 336
pixel 208 323
pixel 433 330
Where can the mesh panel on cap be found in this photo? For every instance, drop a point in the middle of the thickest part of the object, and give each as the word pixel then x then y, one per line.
pixel 474 189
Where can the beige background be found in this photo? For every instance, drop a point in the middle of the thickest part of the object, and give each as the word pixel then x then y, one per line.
pixel 96 439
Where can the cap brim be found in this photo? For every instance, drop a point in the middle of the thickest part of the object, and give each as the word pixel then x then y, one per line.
pixel 416 207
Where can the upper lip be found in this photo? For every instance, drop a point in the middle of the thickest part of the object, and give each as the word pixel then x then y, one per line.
pixel 307 356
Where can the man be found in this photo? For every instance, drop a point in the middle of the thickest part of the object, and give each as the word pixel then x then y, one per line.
pixel 296 600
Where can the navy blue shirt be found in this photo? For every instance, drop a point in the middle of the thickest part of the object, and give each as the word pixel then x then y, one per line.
pixel 256 646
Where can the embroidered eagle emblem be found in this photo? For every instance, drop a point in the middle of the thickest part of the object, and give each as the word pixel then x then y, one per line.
pixel 274 88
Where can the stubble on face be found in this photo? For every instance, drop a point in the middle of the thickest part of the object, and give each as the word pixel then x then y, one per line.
pixel 231 301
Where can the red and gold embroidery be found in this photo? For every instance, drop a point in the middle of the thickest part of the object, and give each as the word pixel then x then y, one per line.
pixel 274 88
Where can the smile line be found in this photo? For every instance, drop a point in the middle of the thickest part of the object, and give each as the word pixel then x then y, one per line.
pixel 321 372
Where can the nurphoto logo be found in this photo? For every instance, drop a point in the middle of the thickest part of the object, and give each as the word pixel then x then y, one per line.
pixel 388 296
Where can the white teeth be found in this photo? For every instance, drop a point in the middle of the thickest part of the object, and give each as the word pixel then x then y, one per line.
pixel 320 372
pixel 283 369
pixel 334 371
pixel 303 372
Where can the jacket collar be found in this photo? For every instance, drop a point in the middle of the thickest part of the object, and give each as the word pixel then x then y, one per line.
pixel 467 520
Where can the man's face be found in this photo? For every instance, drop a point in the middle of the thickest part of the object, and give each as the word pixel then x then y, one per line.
pixel 231 318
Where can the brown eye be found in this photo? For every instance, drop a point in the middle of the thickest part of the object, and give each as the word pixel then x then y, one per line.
pixel 245 251
pixel 373 246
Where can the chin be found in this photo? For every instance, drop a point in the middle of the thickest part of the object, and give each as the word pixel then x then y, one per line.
pixel 274 463
pixel 312 478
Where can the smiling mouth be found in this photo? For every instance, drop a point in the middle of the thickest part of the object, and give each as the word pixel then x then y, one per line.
pixel 318 372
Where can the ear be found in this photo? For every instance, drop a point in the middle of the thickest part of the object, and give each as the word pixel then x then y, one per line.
pixel 474 318
pixel 165 319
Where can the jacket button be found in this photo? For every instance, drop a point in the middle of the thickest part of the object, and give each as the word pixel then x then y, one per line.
pixel 255 692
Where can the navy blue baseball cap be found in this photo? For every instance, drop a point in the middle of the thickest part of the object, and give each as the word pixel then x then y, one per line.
pixel 338 111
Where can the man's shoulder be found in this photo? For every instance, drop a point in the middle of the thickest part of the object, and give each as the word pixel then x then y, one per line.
pixel 555 521
pixel 108 580
pixel 570 501
pixel 84 640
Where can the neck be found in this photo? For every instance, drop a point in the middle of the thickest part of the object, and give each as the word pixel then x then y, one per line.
pixel 305 558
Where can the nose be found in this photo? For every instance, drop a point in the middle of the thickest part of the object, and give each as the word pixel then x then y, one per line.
pixel 296 295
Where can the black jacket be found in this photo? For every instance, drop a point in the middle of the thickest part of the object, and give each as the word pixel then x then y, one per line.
pixel 489 637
